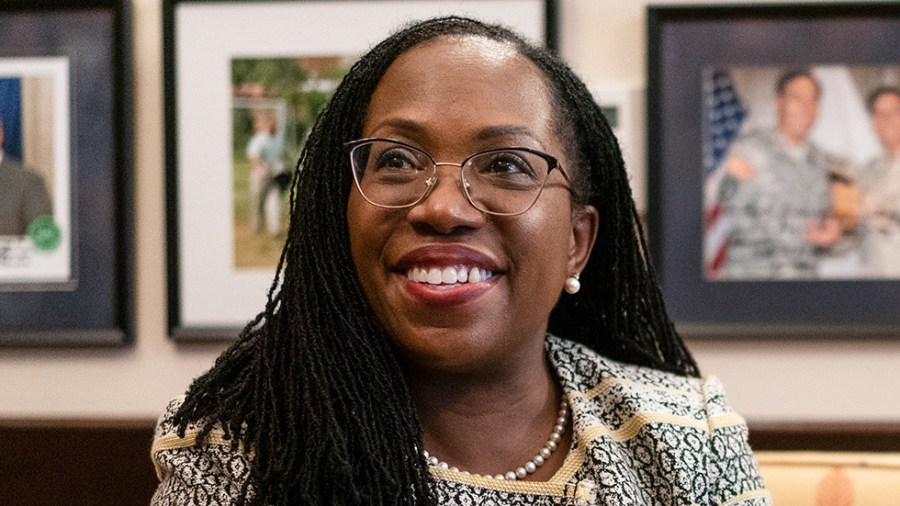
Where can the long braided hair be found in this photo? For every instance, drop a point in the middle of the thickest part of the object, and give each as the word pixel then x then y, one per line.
pixel 312 389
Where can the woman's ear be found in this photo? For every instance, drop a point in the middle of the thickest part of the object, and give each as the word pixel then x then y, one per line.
pixel 585 225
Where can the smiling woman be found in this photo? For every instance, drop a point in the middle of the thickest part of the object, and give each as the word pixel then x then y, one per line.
pixel 458 183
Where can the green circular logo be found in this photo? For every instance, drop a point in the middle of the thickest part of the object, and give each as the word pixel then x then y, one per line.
pixel 44 233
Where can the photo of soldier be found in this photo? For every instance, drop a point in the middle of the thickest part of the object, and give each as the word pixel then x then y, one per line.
pixel 879 220
pixel 776 191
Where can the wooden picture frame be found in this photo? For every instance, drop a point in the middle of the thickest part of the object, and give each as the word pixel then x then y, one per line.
pixel 226 225
pixel 688 44
pixel 66 276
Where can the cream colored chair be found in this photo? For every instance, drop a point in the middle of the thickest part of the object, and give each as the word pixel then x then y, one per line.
pixel 831 478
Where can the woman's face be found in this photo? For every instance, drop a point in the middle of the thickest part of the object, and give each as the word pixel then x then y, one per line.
pixel 453 97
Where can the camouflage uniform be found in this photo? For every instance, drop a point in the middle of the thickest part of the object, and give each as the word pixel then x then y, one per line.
pixel 880 184
pixel 770 211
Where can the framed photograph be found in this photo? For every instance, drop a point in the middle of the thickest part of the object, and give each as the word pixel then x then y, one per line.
pixel 65 173
pixel 621 102
pixel 774 168
pixel 244 82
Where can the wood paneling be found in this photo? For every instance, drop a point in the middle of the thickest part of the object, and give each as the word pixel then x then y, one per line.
pixel 76 463
pixel 107 462
pixel 841 437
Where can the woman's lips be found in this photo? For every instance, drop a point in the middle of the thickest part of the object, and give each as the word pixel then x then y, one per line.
pixel 446 274
pixel 445 294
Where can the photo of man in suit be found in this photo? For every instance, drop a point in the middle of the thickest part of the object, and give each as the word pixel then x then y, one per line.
pixel 23 195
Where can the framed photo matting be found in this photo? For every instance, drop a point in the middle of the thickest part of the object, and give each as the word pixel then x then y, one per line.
pixel 774 168
pixel 65 173
pixel 245 81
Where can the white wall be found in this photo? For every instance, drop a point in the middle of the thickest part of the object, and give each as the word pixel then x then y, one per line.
pixel 603 41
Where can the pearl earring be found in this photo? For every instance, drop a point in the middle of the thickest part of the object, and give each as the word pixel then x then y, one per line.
pixel 572 284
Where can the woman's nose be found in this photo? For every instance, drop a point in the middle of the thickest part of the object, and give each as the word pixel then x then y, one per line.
pixel 446 208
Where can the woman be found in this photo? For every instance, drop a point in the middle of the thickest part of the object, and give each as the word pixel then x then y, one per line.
pixel 405 356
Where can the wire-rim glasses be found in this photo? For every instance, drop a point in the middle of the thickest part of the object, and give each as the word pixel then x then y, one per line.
pixel 505 181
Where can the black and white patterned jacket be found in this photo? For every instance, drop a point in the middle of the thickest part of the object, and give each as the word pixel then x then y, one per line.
pixel 642 437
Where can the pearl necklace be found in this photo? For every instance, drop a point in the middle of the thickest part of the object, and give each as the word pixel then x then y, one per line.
pixel 530 466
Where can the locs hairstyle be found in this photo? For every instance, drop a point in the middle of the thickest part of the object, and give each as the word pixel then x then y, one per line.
pixel 312 389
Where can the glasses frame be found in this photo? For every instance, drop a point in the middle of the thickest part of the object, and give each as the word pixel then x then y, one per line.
pixel 431 182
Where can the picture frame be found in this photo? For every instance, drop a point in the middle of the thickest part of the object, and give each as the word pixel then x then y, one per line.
pixel 622 103
pixel 233 134
pixel 702 119
pixel 66 255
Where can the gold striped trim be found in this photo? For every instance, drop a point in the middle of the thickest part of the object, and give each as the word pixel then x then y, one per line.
pixel 753 494
pixel 594 431
pixel 726 420
pixel 574 461
pixel 630 428
pixel 174 442
pixel 558 485
pixel 633 425
pixel 550 488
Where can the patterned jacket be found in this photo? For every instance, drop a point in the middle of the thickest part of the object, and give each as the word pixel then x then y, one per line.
pixel 642 437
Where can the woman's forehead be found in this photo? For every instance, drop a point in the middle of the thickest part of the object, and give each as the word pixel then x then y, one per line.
pixel 469 83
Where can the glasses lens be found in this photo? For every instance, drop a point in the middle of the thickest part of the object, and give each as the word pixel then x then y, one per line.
pixel 390 174
pixel 505 181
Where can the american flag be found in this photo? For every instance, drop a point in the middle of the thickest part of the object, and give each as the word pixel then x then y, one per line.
pixel 724 116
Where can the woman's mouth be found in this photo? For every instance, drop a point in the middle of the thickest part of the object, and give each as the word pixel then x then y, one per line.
pixel 443 278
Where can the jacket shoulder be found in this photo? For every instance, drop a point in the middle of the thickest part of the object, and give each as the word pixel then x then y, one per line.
pixel 212 471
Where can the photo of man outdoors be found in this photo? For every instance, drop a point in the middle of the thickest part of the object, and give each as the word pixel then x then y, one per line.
pixel 274 104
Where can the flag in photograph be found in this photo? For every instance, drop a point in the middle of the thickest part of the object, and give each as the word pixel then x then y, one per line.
pixel 843 124
pixel 724 116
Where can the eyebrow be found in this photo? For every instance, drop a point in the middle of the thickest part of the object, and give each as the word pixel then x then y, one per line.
pixel 485 134
pixel 496 131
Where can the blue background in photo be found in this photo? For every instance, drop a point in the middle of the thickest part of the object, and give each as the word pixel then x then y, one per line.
pixel 11 113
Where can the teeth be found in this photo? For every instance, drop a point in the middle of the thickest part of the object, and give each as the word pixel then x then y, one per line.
pixel 448 275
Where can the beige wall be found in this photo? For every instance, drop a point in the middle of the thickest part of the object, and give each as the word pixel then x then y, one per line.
pixel 603 41
pixel 37 127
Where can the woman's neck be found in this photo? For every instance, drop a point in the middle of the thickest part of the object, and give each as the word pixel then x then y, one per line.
pixel 493 422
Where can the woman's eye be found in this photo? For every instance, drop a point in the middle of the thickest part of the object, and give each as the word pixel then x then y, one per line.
pixel 396 160
pixel 507 163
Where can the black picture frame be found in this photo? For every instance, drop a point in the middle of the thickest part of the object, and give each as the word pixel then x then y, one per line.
pixel 94 306
pixel 176 21
pixel 683 41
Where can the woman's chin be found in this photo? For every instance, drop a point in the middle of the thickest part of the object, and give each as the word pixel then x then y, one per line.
pixel 447 350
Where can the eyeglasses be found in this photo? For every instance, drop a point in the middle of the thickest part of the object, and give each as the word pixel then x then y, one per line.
pixel 503 182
